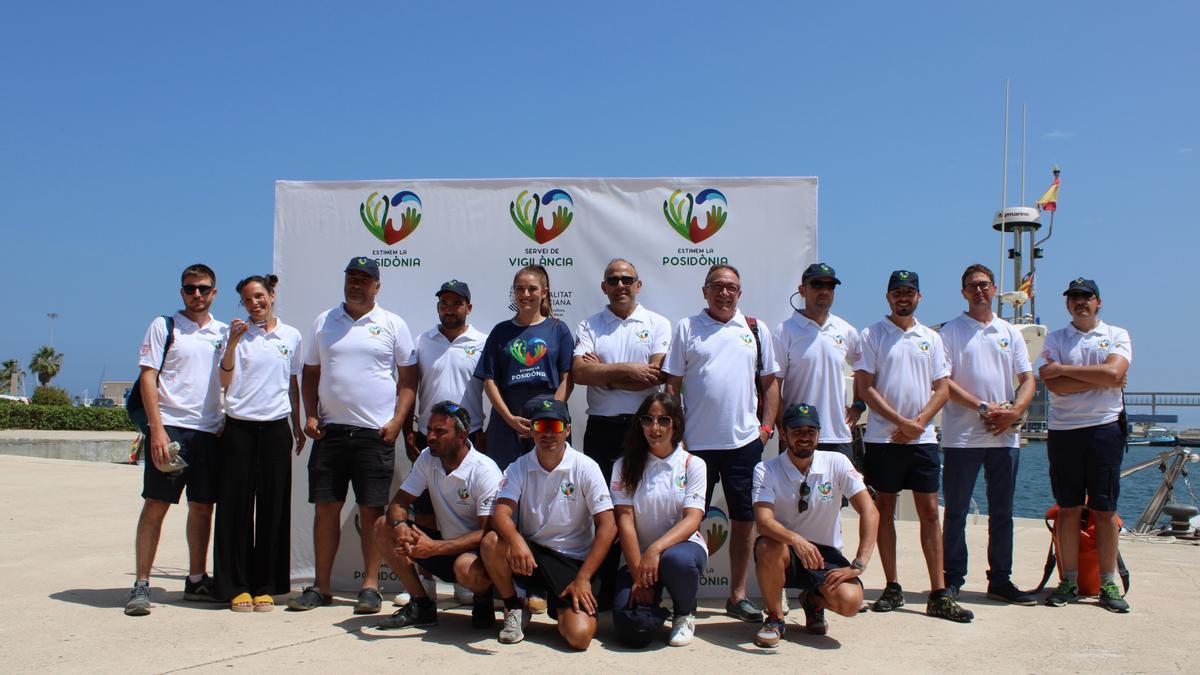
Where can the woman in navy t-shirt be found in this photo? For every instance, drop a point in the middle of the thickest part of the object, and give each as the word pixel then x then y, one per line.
pixel 527 356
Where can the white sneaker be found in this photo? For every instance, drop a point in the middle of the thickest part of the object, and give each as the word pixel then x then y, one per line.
pixel 683 629
pixel 783 601
pixel 515 623
pixel 463 595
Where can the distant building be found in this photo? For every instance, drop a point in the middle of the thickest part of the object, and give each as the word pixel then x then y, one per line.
pixel 117 390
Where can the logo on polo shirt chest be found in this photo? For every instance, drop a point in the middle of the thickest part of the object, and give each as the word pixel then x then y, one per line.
pixel 217 344
pixel 643 335
pixel 284 352
pixel 374 330
pixel 470 350
pixel 464 496
pixel 681 482
pixel 923 346
pixel 747 338
pixel 1003 344
pixel 567 490
pixel 1103 344
pixel 840 341
pixel 825 491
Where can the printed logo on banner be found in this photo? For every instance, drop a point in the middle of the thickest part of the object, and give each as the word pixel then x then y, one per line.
pixel 377 217
pixel 533 224
pixel 687 225
pixel 714 529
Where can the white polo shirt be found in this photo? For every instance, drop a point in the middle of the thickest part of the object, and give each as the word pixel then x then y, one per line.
pixel 812 360
pixel 668 486
pixel 617 340
pixel 460 498
pixel 189 389
pixel 1072 347
pixel 263 366
pixel 717 363
pixel 830 477
pixel 555 508
pixel 448 374
pixel 358 362
pixel 985 358
pixel 905 365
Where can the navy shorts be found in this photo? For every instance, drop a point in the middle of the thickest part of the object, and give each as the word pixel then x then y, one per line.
pixel 441 566
pixel 735 469
pixel 351 455
pixel 801 578
pixel 894 467
pixel 1085 466
pixel 202 451
pixel 554 572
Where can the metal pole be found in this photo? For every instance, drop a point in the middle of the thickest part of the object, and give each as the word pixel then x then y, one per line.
pixel 52 316
pixel 1003 202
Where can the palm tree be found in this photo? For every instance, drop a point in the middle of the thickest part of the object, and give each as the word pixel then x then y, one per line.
pixel 12 376
pixel 45 364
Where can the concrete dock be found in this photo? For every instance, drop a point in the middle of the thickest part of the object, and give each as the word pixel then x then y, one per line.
pixel 67 542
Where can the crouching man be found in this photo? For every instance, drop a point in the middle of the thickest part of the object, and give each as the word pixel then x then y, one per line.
pixel 797 507
pixel 563 529
pixel 462 484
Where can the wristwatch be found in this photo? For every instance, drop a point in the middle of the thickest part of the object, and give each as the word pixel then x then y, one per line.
pixel 769 429
pixel 983 407
pixel 858 565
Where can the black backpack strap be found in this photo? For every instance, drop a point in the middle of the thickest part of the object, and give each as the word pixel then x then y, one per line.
pixel 758 366
pixel 170 320
pixel 1123 572
pixel 1051 561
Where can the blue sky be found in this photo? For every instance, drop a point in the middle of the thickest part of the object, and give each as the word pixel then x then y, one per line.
pixel 138 137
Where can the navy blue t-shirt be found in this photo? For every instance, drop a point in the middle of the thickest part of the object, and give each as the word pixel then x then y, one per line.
pixel 516 356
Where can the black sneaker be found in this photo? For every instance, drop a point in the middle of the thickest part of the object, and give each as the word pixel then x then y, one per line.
pixel 814 617
pixel 944 606
pixel 1067 591
pixel 310 598
pixel 413 615
pixel 1005 591
pixel 744 609
pixel 483 611
pixel 199 591
pixel 139 600
pixel 1111 599
pixel 892 598
pixel 369 601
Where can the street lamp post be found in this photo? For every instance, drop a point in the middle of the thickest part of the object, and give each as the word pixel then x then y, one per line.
pixel 52 316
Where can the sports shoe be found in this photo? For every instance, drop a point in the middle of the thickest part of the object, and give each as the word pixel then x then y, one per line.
pixel 683 629
pixel 1067 591
pixel 483 610
pixel 515 623
pixel 1110 598
pixel 536 604
pixel 892 598
pixel 770 634
pixel 310 598
pixel 413 615
pixel 1005 591
pixel 814 617
pixel 744 609
pixel 944 606
pixel 138 603
pixel 369 601
pixel 199 591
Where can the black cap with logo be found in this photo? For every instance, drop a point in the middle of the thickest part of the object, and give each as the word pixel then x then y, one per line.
pixel 904 279
pixel 801 415
pixel 455 286
pixel 819 271
pixel 364 265
pixel 547 408
pixel 1082 284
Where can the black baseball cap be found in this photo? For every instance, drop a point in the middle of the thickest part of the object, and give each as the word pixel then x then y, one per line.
pixel 801 415
pixel 455 286
pixel 902 279
pixel 1082 284
pixel 363 264
pixel 819 271
pixel 547 408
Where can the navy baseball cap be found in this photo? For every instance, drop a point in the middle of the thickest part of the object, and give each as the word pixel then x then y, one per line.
pixel 819 271
pixel 455 286
pixel 363 264
pixel 1082 284
pixel 801 415
pixel 902 279
pixel 547 408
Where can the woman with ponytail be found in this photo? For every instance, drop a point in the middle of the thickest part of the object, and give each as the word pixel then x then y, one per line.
pixel 526 356
pixel 259 369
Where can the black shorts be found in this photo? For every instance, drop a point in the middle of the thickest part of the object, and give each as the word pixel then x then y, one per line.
pixel 554 572
pixel 202 452
pixel 804 579
pixel 351 455
pixel 846 449
pixel 604 440
pixel 442 566
pixel 894 467
pixel 735 469
pixel 1085 466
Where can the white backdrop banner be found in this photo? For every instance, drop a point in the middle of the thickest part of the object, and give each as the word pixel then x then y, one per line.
pixel 426 232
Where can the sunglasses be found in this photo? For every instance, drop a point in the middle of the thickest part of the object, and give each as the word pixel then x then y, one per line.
pixel 1081 295
pixel 804 490
pixel 821 285
pixel 650 420
pixel 626 279
pixel 190 289
pixel 545 426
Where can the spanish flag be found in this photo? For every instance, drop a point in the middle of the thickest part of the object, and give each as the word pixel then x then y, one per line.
pixel 1027 281
pixel 1049 201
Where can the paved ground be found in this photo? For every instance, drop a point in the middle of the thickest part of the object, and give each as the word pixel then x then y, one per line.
pixel 66 538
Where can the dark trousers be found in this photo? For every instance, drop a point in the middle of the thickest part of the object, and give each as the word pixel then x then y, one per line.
pixel 604 440
pixel 960 470
pixel 251 547
pixel 679 570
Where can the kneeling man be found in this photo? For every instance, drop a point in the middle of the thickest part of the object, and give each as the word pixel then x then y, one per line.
pixel 557 495
pixel 462 484
pixel 797 507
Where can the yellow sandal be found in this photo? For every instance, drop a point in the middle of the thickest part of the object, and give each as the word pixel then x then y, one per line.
pixel 242 603
pixel 264 603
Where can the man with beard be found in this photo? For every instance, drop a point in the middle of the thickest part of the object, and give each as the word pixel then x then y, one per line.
pixel 181 394
pixel 797 506
pixel 359 383
pixel 903 376
pixel 461 483
pixel 618 354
